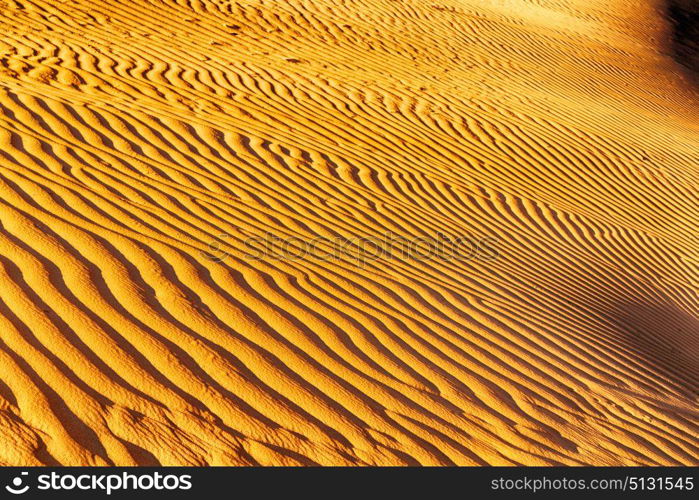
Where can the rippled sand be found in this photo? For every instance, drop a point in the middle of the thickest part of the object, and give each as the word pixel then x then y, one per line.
pixel 144 142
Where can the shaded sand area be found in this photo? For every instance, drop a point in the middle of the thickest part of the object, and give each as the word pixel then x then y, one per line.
pixel 684 22
pixel 138 138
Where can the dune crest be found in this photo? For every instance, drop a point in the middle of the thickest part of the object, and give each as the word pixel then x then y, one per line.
pixel 147 146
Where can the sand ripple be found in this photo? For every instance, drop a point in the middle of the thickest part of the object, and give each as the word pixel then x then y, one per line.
pixel 135 133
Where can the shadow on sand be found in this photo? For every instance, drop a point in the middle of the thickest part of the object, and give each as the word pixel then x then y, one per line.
pixel 684 15
pixel 664 337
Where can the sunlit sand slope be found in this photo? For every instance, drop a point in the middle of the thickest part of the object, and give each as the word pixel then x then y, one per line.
pixel 135 134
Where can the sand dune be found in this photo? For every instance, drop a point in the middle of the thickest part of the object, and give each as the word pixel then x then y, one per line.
pixel 144 142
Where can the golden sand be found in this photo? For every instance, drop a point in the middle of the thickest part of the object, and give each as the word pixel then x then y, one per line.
pixel 136 133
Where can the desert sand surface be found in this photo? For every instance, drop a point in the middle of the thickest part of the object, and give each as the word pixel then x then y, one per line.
pixel 144 142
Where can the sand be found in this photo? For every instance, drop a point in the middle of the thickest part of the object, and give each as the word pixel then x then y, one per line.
pixel 144 144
